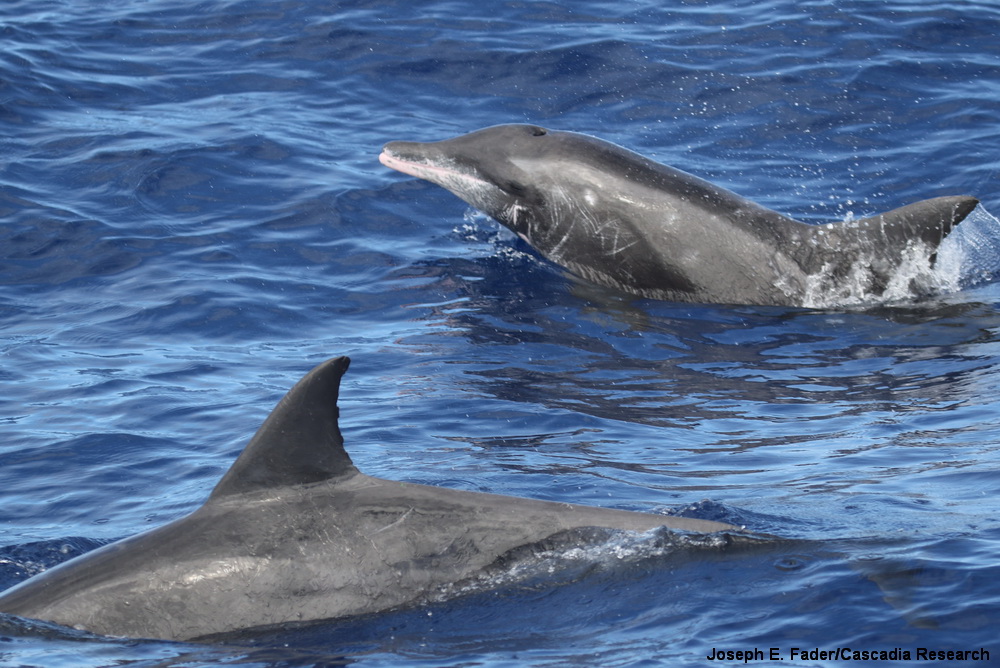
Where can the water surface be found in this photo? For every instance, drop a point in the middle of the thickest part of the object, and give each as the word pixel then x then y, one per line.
pixel 193 215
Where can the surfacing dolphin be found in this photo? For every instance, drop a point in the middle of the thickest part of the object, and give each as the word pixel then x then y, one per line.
pixel 621 220
pixel 294 532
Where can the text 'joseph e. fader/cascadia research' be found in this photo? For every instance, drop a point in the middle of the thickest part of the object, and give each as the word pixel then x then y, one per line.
pixel 916 654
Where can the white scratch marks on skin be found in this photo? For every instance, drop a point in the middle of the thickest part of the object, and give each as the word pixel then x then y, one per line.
pixel 563 209
pixel 376 548
pixel 222 568
pixel 513 213
pixel 393 524
pixel 617 244
pixel 610 234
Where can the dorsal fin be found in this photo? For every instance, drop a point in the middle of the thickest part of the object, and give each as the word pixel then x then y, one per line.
pixel 886 235
pixel 929 220
pixel 300 440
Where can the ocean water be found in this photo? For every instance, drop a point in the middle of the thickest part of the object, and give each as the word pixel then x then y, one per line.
pixel 192 215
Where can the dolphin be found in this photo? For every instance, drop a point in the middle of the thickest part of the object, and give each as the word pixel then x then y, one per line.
pixel 293 532
pixel 618 219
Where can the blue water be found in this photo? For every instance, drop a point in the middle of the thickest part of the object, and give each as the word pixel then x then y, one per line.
pixel 192 215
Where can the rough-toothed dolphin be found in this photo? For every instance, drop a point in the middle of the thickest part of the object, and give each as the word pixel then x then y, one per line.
pixel 618 219
pixel 294 532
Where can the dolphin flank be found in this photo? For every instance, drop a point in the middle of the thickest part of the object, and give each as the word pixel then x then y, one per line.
pixel 293 532
pixel 618 219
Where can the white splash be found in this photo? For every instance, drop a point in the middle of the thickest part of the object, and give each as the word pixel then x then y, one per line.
pixel 584 551
pixel 970 255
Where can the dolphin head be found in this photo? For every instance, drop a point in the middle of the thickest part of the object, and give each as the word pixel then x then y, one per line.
pixel 571 196
pixel 514 173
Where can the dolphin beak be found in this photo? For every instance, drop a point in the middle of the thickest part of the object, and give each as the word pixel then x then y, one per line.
pixel 391 157
pixel 416 159
pixel 390 160
pixel 431 161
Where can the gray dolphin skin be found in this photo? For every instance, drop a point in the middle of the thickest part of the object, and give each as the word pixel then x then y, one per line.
pixel 618 219
pixel 293 532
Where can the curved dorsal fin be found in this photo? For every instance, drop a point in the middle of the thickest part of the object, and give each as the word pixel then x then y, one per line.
pixel 300 440
pixel 929 220
pixel 884 236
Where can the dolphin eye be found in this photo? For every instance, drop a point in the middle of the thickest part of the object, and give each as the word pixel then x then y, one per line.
pixel 537 131
pixel 515 188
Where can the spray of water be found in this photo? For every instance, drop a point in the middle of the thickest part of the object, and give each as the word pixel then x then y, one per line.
pixel 969 256
pixel 571 555
pixel 971 253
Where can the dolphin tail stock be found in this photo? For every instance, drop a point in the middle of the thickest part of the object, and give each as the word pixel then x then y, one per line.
pixel 299 442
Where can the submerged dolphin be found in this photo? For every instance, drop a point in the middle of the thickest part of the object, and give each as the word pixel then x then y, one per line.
pixel 294 532
pixel 618 219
